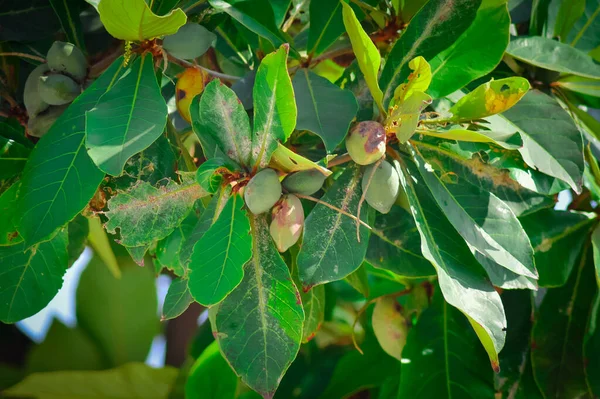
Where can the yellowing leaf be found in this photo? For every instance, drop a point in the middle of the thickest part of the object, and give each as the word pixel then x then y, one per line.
pixel 366 53
pixel 508 140
pixel 404 118
pixel 288 161
pixel 133 20
pixel 390 326
pixel 490 98
pixel 418 80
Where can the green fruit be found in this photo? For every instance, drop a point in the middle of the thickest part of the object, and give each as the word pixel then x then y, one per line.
pixel 366 142
pixel 262 191
pixel 288 220
pixel 383 188
pixel 31 96
pixel 40 124
pixel 58 89
pixel 305 182
pixel 65 57
pixel 190 41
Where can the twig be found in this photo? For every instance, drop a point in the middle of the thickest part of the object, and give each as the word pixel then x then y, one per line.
pixel 339 160
pixel 318 201
pixel 187 64
pixel 360 312
pixel 363 195
pixel 23 55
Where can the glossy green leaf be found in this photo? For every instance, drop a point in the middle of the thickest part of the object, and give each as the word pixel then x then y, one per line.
pixel 485 222
pixel 559 330
pixel 490 98
pixel 130 381
pixel 480 173
pixel 226 124
pixel 217 263
pixel 145 213
pixel 120 314
pixel 367 54
pixel 256 15
pixel 390 326
pixel 323 108
pixel 584 34
pixel 456 267
pixel 330 250
pixel 60 178
pixel 127 119
pixel 168 250
pixel 8 224
pixel 209 174
pixel 98 240
pixel 590 87
pixel 551 141
pixel 359 280
pixel 13 157
pixel 395 245
pixel 568 13
pixel 326 25
pixel 433 29
pixel 259 325
pixel 274 106
pixel 592 344
pixel 65 348
pixel 442 358
pixel 539 16
pixel 507 140
pixel 177 300
pixel 211 377
pixel 68 12
pixel 31 276
pixel 555 56
pixel 503 278
pixel 557 238
pixel 475 53
pixel 78 231
pixel 135 21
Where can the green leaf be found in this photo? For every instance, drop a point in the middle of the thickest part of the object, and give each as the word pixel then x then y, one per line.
pixel 596 247
pixel 64 348
pixel 479 172
pixel 31 276
pixel 462 281
pixel 280 9
pixel 555 56
pixel 584 34
pixel 145 213
pixel 323 108
pixel 355 372
pixel 551 141
pixel 120 314
pixel 274 106
pixel 209 174
pixel 135 21
pixel 78 231
pixel 259 325
pixel 12 129
pixel 359 280
pixel 330 250
pixel 131 381
pixel 577 84
pixel 539 16
pixel 558 333
pixel 177 300
pixel 98 239
pixel 27 20
pixel 481 218
pixel 433 29
pixel 168 250
pixel 127 119
pixel 13 157
pixel 475 53
pixel 568 13
pixel 503 278
pixel 367 55
pixel 395 245
pixel 256 15
pixel 313 303
pixel 511 141
pixel 390 326
pixel 217 263
pixel 326 25
pixel 591 346
pixel 68 12
pixel 404 119
pixel 442 359
pixel 557 238
pixel 8 224
pixel 490 98
pixel 211 377
pixel 60 178
pixel 226 124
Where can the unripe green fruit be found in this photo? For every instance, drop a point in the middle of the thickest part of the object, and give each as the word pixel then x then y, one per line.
pixel 31 96
pixel 58 89
pixel 65 57
pixel 40 124
pixel 305 182
pixel 288 220
pixel 366 142
pixel 191 41
pixel 262 191
pixel 383 188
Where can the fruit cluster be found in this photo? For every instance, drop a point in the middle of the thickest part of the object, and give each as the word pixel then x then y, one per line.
pixel 50 87
pixel 264 192
pixel 366 145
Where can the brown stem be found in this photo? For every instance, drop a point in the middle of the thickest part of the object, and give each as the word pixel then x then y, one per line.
pixel 23 55
pixel 339 160
pixel 318 201
pixel 187 64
